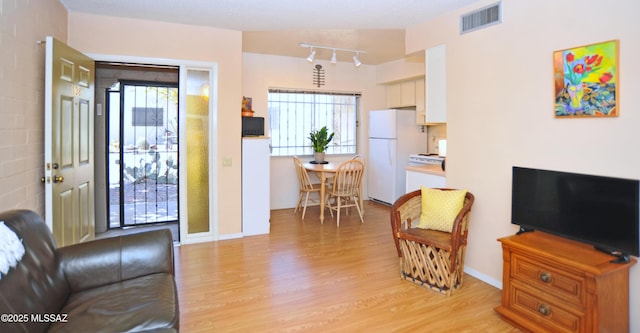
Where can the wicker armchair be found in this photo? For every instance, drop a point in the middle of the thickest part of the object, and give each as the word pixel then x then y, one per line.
pixel 430 258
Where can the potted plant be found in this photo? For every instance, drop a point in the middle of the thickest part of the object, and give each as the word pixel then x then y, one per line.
pixel 319 141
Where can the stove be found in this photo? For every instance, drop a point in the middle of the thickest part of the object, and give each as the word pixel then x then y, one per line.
pixel 425 159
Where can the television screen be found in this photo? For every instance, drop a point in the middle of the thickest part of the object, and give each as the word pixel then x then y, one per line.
pixel 602 211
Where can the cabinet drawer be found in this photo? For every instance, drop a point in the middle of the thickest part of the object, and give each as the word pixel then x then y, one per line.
pixel 545 311
pixel 554 281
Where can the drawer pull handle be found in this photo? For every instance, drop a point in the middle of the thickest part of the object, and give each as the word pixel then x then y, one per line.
pixel 545 277
pixel 544 309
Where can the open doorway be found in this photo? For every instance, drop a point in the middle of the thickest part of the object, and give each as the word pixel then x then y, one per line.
pixel 140 122
pixel 196 133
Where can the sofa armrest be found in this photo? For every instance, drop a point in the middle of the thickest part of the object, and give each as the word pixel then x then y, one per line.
pixel 110 260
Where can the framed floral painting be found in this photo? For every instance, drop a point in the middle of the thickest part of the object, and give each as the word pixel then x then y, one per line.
pixel 587 81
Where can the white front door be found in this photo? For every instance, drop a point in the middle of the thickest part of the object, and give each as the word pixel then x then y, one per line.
pixel 68 163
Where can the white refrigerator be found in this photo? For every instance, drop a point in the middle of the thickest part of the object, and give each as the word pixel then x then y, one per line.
pixel 393 136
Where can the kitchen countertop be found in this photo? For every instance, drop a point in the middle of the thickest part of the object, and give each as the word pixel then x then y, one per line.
pixel 433 169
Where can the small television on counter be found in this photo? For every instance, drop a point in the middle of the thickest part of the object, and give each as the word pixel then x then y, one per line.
pixel 597 210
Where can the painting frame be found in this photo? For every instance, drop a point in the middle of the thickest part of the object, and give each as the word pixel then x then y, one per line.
pixel 587 81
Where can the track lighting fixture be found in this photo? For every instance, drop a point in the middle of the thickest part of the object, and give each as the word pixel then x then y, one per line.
pixel 312 55
pixel 356 60
pixel 334 58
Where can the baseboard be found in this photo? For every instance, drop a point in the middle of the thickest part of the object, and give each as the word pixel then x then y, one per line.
pixel 483 277
pixel 229 236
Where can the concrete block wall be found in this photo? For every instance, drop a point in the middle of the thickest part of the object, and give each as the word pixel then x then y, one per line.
pixel 22 62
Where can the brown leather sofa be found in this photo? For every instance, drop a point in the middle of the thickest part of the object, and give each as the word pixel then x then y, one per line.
pixel 120 284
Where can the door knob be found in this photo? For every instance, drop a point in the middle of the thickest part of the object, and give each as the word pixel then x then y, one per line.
pixel 58 179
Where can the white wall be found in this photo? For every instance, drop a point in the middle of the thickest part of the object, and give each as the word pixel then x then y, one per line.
pixel 500 98
pixel 261 72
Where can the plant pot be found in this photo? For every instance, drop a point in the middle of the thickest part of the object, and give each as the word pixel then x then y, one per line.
pixel 318 157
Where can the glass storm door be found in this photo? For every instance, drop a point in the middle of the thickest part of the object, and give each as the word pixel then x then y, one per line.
pixel 143 153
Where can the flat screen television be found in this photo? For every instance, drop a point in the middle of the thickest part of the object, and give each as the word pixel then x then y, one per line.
pixel 601 211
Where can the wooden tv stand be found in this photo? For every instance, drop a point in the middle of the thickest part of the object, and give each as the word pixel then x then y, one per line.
pixel 553 284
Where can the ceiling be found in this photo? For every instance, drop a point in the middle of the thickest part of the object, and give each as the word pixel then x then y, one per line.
pixel 277 27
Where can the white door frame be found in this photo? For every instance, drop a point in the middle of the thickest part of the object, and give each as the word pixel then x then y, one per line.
pixel 184 65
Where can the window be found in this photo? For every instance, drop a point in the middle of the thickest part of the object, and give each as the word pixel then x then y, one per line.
pixel 294 114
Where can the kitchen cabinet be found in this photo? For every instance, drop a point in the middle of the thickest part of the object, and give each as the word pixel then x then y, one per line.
pixel 420 102
pixel 394 95
pixel 427 176
pixel 436 84
pixel 553 284
pixel 405 93
pixel 408 93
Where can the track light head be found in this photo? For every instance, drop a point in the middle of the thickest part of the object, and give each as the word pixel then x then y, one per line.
pixel 312 55
pixel 356 60
pixel 333 57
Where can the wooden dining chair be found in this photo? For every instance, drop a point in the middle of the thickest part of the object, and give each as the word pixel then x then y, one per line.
pixel 345 188
pixel 306 186
pixel 361 159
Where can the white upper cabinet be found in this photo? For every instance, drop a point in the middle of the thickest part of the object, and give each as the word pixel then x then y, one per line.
pixel 436 84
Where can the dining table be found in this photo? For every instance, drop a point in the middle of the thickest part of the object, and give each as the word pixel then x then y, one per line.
pixel 325 171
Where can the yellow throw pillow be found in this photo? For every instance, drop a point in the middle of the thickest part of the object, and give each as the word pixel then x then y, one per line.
pixel 440 208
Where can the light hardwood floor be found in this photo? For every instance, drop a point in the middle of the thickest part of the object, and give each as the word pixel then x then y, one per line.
pixel 308 277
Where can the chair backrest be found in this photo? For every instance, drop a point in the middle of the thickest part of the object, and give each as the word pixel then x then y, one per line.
pixel 304 181
pixel 360 158
pixel 348 178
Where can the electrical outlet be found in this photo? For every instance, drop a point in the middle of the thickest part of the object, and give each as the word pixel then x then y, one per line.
pixel 226 162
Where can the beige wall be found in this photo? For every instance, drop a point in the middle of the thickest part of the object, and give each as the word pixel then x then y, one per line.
pixel 261 72
pixel 500 99
pixel 150 39
pixel 22 98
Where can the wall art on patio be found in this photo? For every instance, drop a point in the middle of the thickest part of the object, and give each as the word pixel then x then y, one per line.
pixel 587 81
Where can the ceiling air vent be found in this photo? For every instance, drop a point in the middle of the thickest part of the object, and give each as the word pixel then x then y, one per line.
pixel 481 18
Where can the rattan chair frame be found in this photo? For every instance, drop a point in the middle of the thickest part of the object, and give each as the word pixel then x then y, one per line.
pixel 432 259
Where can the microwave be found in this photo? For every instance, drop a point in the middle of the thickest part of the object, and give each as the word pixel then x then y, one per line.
pixel 252 126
